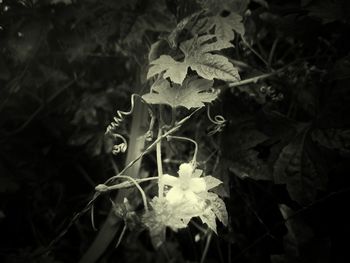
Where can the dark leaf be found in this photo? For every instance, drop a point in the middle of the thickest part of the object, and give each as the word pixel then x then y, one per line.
pixel 295 169
pixel 334 139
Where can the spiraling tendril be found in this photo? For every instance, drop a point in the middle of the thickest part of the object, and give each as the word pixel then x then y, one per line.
pixel 219 122
pixel 149 134
pixel 117 120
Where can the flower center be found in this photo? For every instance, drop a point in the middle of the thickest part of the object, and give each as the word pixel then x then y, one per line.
pixel 184 186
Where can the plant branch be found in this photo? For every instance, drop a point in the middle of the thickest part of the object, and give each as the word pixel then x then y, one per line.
pixel 252 80
pixel 272 51
pixel 104 188
pixel 206 248
pixel 144 199
pixel 159 164
pixel 147 150
pixel 254 51
pixel 190 140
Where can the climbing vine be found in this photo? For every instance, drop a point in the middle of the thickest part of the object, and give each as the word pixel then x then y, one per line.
pixel 219 124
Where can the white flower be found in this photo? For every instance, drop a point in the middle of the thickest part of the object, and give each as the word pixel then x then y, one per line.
pixel 186 187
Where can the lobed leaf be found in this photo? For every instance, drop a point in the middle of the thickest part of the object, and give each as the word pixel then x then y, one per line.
pixel 209 218
pixel 175 70
pixel 295 168
pixel 211 182
pixel 210 66
pixel 217 205
pixel 192 94
pixel 197 56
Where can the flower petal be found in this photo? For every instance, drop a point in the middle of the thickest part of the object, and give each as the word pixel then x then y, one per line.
pixel 191 197
pixel 185 170
pixel 197 173
pixel 175 195
pixel 170 180
pixel 197 185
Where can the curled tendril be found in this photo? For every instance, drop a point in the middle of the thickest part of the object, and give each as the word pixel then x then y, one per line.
pixel 149 134
pixel 117 120
pixel 219 122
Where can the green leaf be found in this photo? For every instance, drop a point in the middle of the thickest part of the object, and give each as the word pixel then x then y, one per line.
pixel 198 58
pixel 197 46
pixel 156 229
pixel 163 215
pixel 298 241
pixel 175 70
pixel 333 139
pixel 224 26
pixel 209 218
pixel 217 6
pixel 207 65
pixel 295 168
pixel 249 165
pixel 158 48
pixel 211 182
pixel 183 24
pixel 217 205
pixel 298 232
pixel 192 94
pixel 210 66
pixel 326 10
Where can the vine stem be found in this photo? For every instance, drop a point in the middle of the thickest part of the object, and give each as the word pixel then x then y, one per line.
pixel 104 188
pixel 159 164
pixel 272 52
pixel 254 79
pixel 266 75
pixel 206 248
pixel 254 51
pixel 144 198
pixel 190 140
pixel 178 125
pixel 112 223
pixel 110 227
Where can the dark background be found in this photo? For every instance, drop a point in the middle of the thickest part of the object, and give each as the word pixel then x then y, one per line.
pixel 67 66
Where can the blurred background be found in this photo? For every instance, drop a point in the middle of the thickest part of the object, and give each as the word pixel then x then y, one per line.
pixel 66 66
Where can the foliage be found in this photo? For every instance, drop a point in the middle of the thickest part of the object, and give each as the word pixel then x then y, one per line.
pixel 276 75
pixel 198 58
pixel 193 93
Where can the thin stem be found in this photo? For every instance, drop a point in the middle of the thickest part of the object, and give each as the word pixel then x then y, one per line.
pixel 121 236
pixel 114 125
pixel 254 51
pixel 144 199
pixel 159 165
pixel 267 75
pixel 104 188
pixel 92 217
pixel 149 133
pixel 177 126
pixel 272 52
pixel 219 121
pixel 173 116
pixel 190 140
pixel 203 230
pixel 206 248
pixel 253 80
